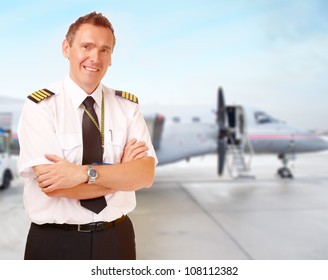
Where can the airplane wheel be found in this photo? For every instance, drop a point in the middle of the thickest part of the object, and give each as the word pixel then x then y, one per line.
pixel 6 180
pixel 285 173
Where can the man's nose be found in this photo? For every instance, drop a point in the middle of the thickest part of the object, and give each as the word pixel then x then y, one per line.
pixel 94 55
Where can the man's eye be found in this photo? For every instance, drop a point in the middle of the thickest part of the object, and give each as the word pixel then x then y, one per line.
pixel 86 47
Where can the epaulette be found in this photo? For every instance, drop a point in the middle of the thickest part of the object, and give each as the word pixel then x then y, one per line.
pixel 127 95
pixel 40 95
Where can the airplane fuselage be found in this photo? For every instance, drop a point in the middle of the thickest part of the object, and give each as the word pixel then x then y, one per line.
pixel 185 140
pixel 285 143
pixel 181 141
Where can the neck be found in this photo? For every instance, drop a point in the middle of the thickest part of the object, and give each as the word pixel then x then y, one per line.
pixel 87 89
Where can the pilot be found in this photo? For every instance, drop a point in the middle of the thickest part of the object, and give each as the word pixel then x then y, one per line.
pixel 85 150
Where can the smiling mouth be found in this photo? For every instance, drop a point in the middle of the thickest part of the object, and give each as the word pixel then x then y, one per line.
pixel 90 69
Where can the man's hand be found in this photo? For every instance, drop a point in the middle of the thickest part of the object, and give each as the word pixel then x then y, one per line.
pixel 59 175
pixel 134 150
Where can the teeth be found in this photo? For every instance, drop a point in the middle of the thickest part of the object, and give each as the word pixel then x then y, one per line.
pixel 90 69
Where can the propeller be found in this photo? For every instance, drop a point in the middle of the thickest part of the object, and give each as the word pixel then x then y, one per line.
pixel 223 131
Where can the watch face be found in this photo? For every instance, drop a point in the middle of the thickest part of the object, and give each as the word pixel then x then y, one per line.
pixel 93 173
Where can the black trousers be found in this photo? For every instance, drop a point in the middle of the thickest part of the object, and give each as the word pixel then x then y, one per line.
pixel 48 243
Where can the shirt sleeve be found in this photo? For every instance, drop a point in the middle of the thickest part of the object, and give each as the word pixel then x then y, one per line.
pixel 138 129
pixel 37 137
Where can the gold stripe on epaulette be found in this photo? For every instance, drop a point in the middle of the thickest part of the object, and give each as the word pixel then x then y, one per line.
pixel 40 95
pixel 127 95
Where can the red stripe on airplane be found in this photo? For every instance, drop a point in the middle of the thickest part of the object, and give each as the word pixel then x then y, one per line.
pixel 277 136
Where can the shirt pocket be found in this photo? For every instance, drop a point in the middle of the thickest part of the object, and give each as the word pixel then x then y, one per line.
pixel 114 146
pixel 71 145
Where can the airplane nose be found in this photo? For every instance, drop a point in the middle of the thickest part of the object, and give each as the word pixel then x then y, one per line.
pixel 321 144
pixel 309 143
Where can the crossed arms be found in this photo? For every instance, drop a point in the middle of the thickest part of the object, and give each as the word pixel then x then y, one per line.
pixel 65 179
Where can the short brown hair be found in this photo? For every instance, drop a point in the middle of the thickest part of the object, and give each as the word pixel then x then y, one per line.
pixel 93 18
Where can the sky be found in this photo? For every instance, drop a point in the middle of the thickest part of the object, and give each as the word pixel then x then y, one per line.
pixel 269 54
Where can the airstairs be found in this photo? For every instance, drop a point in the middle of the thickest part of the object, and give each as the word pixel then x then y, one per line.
pixel 238 161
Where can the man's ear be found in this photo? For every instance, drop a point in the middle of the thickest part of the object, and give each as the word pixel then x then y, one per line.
pixel 65 48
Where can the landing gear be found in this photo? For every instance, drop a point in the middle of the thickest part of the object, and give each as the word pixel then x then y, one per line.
pixel 6 180
pixel 284 172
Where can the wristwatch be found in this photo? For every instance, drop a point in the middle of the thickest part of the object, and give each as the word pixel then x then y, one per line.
pixel 92 174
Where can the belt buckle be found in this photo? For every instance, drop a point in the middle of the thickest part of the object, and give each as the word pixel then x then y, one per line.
pixel 82 230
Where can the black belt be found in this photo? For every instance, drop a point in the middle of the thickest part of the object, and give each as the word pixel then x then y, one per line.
pixel 95 226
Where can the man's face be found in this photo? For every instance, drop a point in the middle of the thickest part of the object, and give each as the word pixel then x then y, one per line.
pixel 89 55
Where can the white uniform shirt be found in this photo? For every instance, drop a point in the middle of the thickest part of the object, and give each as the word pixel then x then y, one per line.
pixel 54 126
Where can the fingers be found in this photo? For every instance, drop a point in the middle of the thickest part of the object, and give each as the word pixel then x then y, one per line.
pixel 131 142
pixel 52 158
pixel 48 189
pixel 46 186
pixel 40 169
pixel 134 150
pixel 141 155
pixel 46 181
pixel 60 174
pixel 139 151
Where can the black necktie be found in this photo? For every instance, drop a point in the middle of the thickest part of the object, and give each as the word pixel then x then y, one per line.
pixel 92 150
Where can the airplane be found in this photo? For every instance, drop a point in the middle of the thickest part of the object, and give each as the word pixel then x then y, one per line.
pixel 235 131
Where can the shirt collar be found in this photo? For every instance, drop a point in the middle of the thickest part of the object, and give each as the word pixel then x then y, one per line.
pixel 78 95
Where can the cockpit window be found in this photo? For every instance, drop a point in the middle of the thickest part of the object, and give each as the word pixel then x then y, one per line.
pixel 263 118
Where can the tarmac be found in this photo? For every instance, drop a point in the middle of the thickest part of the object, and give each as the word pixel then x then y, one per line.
pixel 192 214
